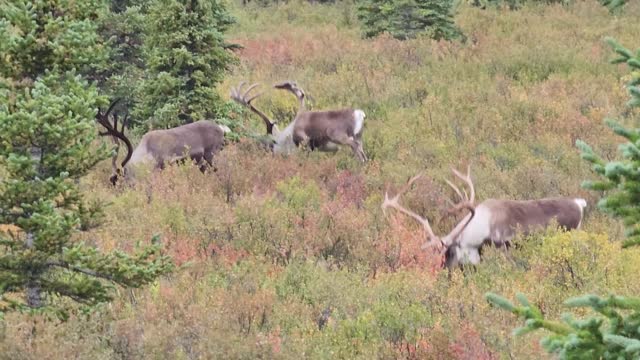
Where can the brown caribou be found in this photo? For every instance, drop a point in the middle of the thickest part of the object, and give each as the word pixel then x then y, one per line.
pixel 198 141
pixel 320 130
pixel 493 221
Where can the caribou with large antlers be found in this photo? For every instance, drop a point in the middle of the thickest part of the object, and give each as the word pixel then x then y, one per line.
pixel 199 141
pixel 320 130
pixel 493 221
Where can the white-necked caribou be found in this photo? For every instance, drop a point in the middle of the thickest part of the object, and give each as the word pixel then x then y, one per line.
pixel 493 221
pixel 320 130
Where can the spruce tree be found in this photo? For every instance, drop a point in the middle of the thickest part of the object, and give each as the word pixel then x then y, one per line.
pixel 123 28
pixel 47 129
pixel 621 177
pixel 186 56
pixel 614 333
pixel 406 19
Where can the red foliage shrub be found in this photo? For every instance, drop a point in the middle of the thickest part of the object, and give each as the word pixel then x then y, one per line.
pixel 469 346
pixel 182 250
pixel 274 51
pixel 348 188
pixel 404 246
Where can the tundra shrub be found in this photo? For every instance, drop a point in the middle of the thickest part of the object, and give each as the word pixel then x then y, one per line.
pixel 614 332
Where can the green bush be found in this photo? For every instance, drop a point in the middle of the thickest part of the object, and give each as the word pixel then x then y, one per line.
pixel 406 19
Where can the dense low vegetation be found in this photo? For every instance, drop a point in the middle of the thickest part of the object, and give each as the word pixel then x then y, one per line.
pixel 283 257
pixel 612 329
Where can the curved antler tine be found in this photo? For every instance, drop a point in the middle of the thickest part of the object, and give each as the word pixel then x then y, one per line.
pixel 125 122
pixel 463 177
pixel 467 179
pixel 113 104
pixel 383 206
pixel 235 91
pixel 466 200
pixel 253 86
pixel 115 121
pixel 393 202
pixel 419 175
pixel 473 189
pixel 254 97
pixel 458 174
pixel 408 185
pixel 455 188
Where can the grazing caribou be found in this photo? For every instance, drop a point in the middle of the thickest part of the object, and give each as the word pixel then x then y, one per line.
pixel 199 141
pixel 491 222
pixel 320 130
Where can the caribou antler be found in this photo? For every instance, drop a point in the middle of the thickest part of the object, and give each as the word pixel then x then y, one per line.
pixel 467 200
pixel 394 203
pixel 242 99
pixel 116 135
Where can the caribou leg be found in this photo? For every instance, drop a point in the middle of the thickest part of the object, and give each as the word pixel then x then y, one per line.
pixel 342 138
pixel 358 139
pixel 208 162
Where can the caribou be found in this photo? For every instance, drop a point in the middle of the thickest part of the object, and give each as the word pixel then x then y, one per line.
pixel 199 141
pixel 493 221
pixel 319 130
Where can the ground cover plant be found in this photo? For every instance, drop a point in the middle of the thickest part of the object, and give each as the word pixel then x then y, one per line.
pixel 614 332
pixel 291 256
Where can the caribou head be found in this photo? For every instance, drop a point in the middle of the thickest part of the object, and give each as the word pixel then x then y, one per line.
pixel 293 88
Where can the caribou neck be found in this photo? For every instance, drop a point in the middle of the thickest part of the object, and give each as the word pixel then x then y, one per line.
pixel 301 107
pixel 453 237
